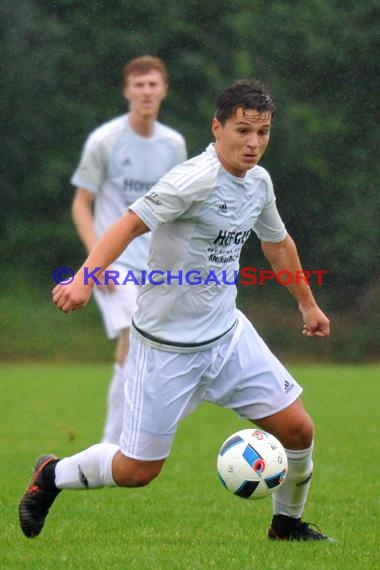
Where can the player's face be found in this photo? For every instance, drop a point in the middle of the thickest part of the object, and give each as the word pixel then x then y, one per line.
pixel 144 92
pixel 242 140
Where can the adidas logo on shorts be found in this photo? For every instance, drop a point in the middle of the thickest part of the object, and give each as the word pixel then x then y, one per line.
pixel 288 386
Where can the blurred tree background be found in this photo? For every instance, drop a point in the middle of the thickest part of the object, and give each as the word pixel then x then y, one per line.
pixel 61 64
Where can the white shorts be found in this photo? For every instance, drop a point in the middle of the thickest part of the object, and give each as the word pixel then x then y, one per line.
pixel 163 387
pixel 117 307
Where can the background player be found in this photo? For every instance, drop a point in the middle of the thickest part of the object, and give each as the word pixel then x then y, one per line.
pixel 121 160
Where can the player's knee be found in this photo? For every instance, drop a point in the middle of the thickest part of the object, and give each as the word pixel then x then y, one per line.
pixel 300 433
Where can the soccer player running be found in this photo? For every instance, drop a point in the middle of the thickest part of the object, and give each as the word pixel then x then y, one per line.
pixel 190 343
pixel 121 160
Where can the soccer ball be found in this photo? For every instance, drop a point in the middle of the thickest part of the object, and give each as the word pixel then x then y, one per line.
pixel 252 464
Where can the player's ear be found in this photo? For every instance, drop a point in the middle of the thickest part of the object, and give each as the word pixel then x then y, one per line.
pixel 216 126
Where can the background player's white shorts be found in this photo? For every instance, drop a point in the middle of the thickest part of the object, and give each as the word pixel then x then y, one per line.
pixel 117 307
pixel 162 387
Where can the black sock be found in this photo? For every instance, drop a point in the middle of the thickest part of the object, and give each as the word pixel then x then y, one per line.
pixel 48 476
pixel 283 524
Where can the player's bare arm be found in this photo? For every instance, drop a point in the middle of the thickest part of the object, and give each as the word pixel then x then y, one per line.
pixel 283 256
pixel 76 294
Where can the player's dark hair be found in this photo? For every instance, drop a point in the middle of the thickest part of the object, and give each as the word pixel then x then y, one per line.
pixel 243 94
pixel 144 64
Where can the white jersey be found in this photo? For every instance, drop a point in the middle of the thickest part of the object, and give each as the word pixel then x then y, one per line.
pixel 200 217
pixel 119 166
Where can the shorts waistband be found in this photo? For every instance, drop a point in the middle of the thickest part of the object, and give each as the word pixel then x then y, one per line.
pixel 184 346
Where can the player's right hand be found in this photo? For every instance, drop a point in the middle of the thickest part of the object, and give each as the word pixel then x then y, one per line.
pixel 72 296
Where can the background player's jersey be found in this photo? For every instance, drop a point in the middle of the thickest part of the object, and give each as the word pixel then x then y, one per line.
pixel 200 217
pixel 119 166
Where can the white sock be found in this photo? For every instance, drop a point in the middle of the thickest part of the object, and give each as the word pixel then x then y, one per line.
pixel 89 469
pixel 290 500
pixel 115 406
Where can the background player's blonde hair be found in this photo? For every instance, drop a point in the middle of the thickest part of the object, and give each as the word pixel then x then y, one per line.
pixel 144 64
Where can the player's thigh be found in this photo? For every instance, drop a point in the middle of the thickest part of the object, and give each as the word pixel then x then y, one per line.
pixel 160 389
pixel 122 346
pixel 252 381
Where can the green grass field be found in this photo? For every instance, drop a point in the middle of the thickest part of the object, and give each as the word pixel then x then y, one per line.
pixel 186 519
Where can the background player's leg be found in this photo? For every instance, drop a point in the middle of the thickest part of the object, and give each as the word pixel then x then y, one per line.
pixel 115 400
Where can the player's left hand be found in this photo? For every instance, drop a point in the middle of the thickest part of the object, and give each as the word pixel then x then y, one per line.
pixel 316 323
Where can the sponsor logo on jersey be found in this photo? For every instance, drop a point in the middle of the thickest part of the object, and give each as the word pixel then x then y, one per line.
pixel 227 238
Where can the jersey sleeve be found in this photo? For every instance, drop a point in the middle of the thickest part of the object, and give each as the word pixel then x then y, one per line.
pixel 269 225
pixel 181 150
pixel 91 170
pixel 173 195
